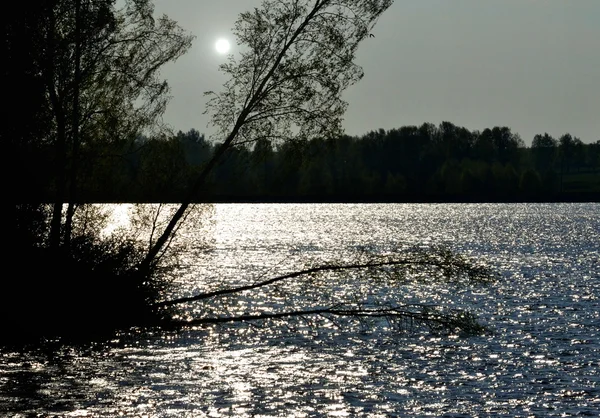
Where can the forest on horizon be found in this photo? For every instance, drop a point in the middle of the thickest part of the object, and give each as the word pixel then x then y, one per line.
pixel 424 163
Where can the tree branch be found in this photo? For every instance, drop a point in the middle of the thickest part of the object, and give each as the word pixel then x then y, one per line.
pixel 430 316
pixel 475 271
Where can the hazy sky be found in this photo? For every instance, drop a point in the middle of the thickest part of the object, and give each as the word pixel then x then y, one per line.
pixel 531 65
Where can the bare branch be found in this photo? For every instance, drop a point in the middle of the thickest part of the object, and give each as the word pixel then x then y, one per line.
pixel 450 265
pixel 429 316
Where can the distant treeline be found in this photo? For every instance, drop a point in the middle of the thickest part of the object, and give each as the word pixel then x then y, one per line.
pixel 409 164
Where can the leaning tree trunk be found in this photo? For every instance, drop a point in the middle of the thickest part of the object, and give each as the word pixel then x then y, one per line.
pixel 241 120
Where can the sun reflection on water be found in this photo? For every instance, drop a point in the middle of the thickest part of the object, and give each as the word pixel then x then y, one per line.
pixel 542 359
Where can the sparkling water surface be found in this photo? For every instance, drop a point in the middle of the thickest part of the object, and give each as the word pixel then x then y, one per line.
pixel 541 359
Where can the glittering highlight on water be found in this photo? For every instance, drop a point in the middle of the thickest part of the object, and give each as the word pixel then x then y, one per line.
pixel 542 358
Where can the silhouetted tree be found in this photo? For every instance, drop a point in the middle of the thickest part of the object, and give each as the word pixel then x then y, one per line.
pixel 26 119
pixel 94 73
pixel 287 84
pixel 544 150
pixel 262 166
pixel 196 148
pixel 101 70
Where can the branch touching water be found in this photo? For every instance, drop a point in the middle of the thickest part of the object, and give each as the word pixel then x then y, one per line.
pixel 391 269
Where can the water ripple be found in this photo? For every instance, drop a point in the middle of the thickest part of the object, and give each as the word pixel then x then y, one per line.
pixel 541 360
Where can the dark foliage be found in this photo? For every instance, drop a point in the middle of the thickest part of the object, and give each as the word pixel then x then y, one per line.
pixel 82 293
pixel 408 164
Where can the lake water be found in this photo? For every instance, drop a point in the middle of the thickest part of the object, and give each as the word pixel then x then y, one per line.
pixel 542 358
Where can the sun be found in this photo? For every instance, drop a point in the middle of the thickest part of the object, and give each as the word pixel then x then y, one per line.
pixel 222 46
